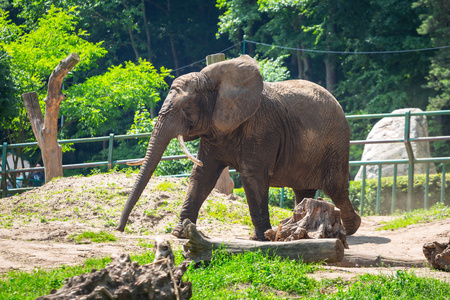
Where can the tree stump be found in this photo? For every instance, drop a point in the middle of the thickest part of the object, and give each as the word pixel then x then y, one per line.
pixel 438 255
pixel 311 219
pixel 200 248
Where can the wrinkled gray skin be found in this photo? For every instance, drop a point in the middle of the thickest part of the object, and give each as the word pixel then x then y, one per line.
pixel 284 134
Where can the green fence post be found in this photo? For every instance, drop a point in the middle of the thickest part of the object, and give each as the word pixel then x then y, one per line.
pixel 443 183
pixel 377 206
pixel 4 155
pixel 282 197
pixel 394 189
pixel 410 153
pixel 363 191
pixel 427 180
pixel 243 45
pixel 110 151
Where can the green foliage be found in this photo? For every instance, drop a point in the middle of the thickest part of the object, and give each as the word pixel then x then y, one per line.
pixel 435 24
pixel 53 38
pixel 98 105
pixel 435 213
pixel 434 192
pixel 8 102
pixel 273 69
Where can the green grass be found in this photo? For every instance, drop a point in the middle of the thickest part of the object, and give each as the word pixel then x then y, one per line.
pixel 166 186
pixel 244 276
pixel 96 237
pixel 435 213
pixel 250 275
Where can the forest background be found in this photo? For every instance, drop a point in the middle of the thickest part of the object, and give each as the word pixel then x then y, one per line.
pixel 373 55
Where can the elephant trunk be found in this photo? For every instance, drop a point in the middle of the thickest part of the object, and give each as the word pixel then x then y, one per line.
pixel 161 137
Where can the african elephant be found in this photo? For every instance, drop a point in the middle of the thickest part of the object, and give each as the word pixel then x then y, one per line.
pixel 283 134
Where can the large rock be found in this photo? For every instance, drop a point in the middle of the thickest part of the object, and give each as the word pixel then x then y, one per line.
pixel 394 128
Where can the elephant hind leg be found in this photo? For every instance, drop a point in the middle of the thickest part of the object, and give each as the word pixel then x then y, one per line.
pixel 302 194
pixel 350 218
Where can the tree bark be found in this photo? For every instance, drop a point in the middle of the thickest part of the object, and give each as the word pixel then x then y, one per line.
pixel 200 248
pixel 224 184
pixel 311 218
pixel 46 129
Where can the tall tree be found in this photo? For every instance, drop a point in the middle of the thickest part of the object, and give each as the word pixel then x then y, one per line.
pixel 436 24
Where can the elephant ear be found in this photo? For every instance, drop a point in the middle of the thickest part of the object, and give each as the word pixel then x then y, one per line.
pixel 238 85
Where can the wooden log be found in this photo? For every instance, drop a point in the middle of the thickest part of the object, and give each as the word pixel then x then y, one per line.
pixel 354 259
pixel 199 247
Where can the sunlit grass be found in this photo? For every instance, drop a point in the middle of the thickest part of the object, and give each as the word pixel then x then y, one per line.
pixel 437 212
pixel 91 236
pixel 250 275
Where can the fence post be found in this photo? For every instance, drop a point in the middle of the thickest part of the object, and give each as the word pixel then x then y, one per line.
pixel 377 205
pixel 394 189
pixel 410 153
pixel 243 45
pixel 427 181
pixel 4 155
pixel 443 183
pixel 363 191
pixel 282 198
pixel 110 151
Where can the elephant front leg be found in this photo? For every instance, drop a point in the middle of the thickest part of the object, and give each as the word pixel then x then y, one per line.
pixel 201 183
pixel 257 192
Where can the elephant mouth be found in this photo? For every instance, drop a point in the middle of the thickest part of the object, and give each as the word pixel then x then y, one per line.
pixel 183 147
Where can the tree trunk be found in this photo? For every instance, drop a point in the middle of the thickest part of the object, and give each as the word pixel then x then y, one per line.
pixel 224 184
pixel 46 129
pixel 331 72
pixel 148 42
pixel 199 247
pixel 311 218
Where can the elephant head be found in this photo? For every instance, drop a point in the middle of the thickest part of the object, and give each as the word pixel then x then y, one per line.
pixel 206 104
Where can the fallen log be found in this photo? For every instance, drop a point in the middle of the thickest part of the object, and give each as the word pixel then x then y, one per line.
pixel 353 259
pixel 200 247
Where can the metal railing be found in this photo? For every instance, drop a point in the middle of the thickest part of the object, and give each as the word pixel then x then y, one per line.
pixel 406 140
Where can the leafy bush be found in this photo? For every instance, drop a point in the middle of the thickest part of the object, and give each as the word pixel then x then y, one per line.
pixel 434 193
pixel 418 195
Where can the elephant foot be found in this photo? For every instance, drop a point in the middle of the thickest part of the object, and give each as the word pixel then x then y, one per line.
pixel 256 236
pixel 351 222
pixel 178 231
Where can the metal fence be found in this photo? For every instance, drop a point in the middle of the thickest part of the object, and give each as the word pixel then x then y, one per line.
pixel 406 140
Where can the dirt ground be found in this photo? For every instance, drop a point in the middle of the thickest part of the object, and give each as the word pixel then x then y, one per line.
pixel 39 233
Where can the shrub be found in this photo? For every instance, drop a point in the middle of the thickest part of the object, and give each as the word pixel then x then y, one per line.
pixel 418 195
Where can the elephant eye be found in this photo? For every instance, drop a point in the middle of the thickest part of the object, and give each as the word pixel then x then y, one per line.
pixel 186 111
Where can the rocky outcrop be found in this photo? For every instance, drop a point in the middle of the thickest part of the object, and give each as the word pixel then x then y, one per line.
pixel 394 128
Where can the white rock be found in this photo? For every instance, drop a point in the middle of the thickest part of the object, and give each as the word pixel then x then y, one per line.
pixel 394 128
